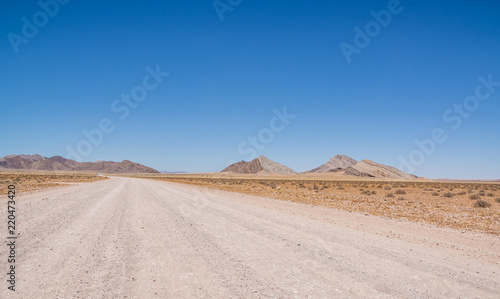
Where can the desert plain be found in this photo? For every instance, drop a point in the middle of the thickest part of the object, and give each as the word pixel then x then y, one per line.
pixel 93 235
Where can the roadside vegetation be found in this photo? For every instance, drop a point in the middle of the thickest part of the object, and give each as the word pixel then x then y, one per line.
pixel 31 181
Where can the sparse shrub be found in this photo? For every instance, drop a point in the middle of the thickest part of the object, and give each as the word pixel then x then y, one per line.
pixel 461 193
pixel 482 204
pixel 474 196
pixel 490 194
pixel 387 188
pixel 497 199
pixel 435 193
pixel 400 191
pixel 401 198
pixel 390 195
pixel 448 194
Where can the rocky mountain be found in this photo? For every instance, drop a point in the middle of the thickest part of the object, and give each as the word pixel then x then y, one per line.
pixel 58 163
pixel 337 163
pixel 259 165
pixel 344 165
pixel 373 169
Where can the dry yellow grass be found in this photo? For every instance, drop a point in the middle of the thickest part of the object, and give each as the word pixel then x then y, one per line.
pixel 31 181
pixel 446 204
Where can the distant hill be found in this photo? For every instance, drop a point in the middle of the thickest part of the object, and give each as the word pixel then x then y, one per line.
pixel 378 170
pixel 58 163
pixel 261 164
pixel 337 163
pixel 344 165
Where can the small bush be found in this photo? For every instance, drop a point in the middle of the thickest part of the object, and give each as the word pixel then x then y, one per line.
pixel 435 193
pixel 474 196
pixel 490 194
pixel 387 188
pixel 461 193
pixel 482 204
pixel 390 195
pixel 401 198
pixel 497 199
pixel 448 194
pixel 400 191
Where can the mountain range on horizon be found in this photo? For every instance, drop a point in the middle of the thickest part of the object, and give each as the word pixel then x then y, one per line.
pixel 58 163
pixel 342 165
pixel 346 165
pixel 339 165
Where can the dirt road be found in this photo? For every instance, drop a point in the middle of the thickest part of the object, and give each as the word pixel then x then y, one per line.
pixel 133 238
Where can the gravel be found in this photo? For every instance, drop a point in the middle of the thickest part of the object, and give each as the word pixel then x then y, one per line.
pixel 135 238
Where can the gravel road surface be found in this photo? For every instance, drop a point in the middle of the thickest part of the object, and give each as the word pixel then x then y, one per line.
pixel 137 238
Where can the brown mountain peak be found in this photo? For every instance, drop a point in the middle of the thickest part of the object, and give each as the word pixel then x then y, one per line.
pixel 261 164
pixel 58 163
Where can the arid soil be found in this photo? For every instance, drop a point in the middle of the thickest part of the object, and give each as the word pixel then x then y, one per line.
pixel 31 181
pixel 136 238
pixel 449 204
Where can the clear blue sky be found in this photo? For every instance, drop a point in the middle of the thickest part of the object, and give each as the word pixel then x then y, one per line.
pixel 226 77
